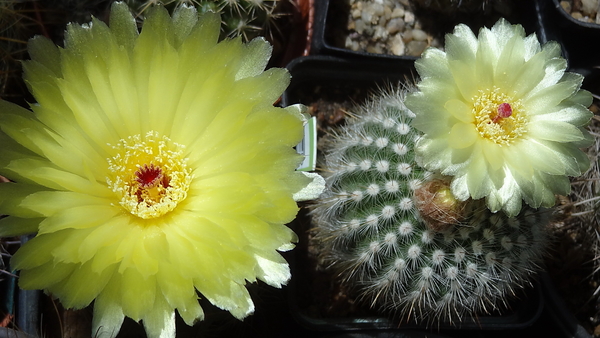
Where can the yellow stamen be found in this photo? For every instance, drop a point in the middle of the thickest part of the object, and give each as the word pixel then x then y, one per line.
pixel 492 119
pixel 149 174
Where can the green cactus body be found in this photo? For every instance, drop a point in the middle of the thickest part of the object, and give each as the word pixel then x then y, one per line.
pixel 245 18
pixel 372 233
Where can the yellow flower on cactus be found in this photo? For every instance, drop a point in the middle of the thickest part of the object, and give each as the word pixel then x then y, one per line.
pixel 153 165
pixel 501 115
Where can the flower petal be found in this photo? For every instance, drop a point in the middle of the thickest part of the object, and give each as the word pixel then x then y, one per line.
pixel 555 131
pixel 137 304
pixel 108 313
pixel 81 217
pixel 459 110
pixel 160 321
pixel 14 226
pixel 462 135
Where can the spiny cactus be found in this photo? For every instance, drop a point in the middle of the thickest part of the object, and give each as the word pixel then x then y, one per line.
pixel 245 18
pixel 395 233
pixel 16 26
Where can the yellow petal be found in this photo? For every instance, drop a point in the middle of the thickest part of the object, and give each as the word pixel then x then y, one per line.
pixel 159 322
pixel 37 200
pixel 139 303
pixel 37 251
pixel 82 217
pixel 256 56
pixel 109 233
pixel 108 313
pixel 460 110
pixel 493 154
pixel 14 197
pixel 45 275
pixel 82 286
pixel 15 226
pixel 462 135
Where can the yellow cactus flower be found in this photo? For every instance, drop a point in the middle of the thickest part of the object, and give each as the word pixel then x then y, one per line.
pixel 153 165
pixel 502 116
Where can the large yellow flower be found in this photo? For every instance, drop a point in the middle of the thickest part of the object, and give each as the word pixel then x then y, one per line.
pixel 501 116
pixel 153 165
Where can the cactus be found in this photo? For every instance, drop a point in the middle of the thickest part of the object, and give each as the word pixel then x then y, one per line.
pixel 245 18
pixel 16 26
pixel 394 232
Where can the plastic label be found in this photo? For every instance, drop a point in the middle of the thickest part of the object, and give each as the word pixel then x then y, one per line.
pixel 308 146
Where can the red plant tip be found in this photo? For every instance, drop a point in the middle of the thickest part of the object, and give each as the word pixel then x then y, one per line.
pixel 148 176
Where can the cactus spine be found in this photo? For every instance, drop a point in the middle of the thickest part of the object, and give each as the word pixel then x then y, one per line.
pixel 393 233
pixel 245 18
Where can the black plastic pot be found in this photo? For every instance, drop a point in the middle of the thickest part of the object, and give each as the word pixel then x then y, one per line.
pixel 330 20
pixel 328 26
pixel 579 39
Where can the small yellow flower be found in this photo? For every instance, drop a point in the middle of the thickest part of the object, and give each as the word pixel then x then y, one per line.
pixel 502 116
pixel 153 166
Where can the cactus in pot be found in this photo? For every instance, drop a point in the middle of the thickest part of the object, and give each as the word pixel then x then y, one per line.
pixel 395 234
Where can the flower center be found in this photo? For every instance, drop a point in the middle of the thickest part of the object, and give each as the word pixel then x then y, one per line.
pixel 149 174
pixel 498 117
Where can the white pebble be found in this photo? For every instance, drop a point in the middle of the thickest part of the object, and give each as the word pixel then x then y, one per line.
pixel 419 35
pixel 397 47
pixel 398 12
pixel 409 17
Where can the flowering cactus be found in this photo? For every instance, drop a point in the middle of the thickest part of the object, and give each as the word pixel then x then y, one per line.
pixel 501 115
pixel 153 167
pixel 395 232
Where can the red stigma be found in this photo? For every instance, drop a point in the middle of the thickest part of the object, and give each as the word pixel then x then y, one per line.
pixel 148 176
pixel 504 111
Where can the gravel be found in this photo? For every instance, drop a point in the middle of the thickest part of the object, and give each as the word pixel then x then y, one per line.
pixel 583 10
pixel 387 27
